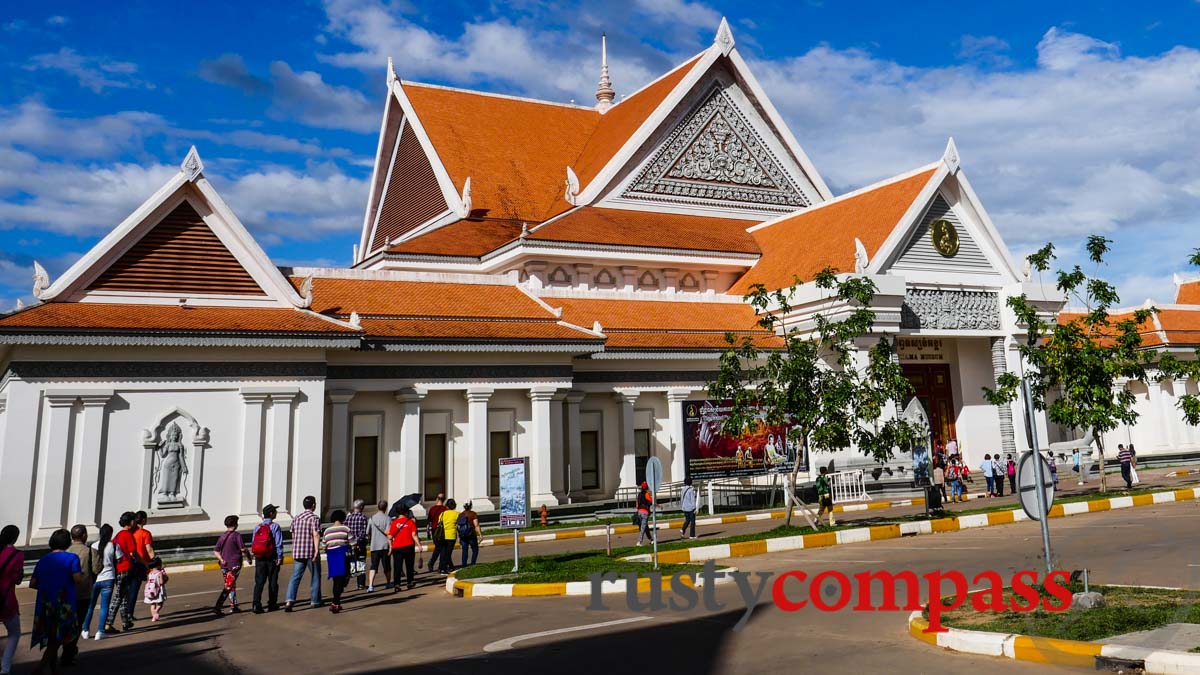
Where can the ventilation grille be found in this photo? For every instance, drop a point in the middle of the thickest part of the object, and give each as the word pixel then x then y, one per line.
pixel 178 255
pixel 921 254
pixel 412 196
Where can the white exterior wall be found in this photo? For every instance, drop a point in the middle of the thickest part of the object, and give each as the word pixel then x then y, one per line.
pixel 977 422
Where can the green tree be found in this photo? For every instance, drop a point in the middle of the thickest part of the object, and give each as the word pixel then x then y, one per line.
pixel 1074 363
pixel 812 383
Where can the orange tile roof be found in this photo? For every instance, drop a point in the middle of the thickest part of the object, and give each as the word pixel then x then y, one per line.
pixel 471 238
pixel 465 329
pixel 594 225
pixel 1188 293
pixel 807 242
pixel 376 297
pixel 664 324
pixel 89 316
pixel 515 151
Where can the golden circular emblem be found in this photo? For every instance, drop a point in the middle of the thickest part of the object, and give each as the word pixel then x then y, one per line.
pixel 945 237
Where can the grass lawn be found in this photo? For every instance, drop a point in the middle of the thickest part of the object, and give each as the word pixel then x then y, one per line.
pixel 574 566
pixel 1128 610
pixel 595 522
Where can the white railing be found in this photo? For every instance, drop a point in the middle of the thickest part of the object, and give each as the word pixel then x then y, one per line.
pixel 849 486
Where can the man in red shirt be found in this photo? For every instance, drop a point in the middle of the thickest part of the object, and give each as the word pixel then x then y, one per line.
pixel 435 515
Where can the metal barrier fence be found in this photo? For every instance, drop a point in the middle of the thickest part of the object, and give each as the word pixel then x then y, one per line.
pixel 849 486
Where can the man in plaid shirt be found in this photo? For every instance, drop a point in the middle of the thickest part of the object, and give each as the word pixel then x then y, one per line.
pixel 357 524
pixel 306 538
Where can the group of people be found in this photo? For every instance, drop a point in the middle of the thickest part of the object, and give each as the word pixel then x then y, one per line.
pixel 78 581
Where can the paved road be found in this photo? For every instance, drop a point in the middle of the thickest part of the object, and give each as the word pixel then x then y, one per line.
pixel 426 631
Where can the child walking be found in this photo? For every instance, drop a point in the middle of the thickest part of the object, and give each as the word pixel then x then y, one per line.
pixel 156 588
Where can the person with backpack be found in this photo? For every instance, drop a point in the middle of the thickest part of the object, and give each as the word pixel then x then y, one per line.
pixel 688 503
pixel 954 478
pixel 156 588
pixel 447 530
pixel 102 589
pixel 434 517
pixel 469 534
pixel 12 571
pixel 229 552
pixel 306 542
pixel 356 520
pixel 1011 470
pixel 266 545
pixel 645 501
pixel 998 474
pixel 824 496
pixel 402 534
pixel 381 547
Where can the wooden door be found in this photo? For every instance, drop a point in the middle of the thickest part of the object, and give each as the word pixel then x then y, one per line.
pixel 931 385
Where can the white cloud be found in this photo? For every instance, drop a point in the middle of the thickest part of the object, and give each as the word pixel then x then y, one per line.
pixel 680 11
pixel 91 73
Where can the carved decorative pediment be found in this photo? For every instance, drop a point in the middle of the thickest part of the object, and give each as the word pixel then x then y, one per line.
pixel 716 155
pixel 950 310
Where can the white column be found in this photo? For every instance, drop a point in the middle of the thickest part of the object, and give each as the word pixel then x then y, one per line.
pixel 339 449
pixel 625 400
pixel 54 473
pixel 19 450
pixel 541 463
pixel 574 444
pixel 477 465
pixel 675 399
pixel 558 451
pixel 252 452
pixel 276 483
pixel 85 502
pixel 1189 431
pixel 404 466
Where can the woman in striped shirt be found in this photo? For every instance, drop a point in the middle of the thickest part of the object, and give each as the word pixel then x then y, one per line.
pixel 336 542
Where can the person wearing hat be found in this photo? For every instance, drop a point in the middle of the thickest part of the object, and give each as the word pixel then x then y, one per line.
pixel 644 501
pixel 266 545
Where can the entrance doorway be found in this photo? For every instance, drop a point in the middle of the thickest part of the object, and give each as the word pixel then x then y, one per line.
pixel 931 386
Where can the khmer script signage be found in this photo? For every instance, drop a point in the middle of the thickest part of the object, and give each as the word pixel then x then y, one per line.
pixel 920 349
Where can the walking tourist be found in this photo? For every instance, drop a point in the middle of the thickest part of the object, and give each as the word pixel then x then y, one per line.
pixel 1077 463
pixel 128 567
pixel 54 622
pixel 998 474
pixel 89 562
pixel 156 588
pixel 1053 468
pixel 987 469
pixel 12 571
pixel 1126 461
pixel 645 500
pixel 230 551
pixel 1010 469
pixel 952 447
pixel 1133 477
pixel 402 533
pixel 144 553
pixel 434 517
pixel 468 533
pixel 939 477
pixel 336 542
pixel 688 503
pixel 356 520
pixel 102 587
pixel 954 478
pixel 824 496
pixel 266 545
pixel 306 539
pixel 449 529
pixel 381 549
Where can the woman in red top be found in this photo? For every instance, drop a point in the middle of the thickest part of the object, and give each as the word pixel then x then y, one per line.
pixel 405 543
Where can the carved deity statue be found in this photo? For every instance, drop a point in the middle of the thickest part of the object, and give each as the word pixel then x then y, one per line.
pixel 172 466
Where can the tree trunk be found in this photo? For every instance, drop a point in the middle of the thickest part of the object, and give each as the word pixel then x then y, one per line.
pixel 796 472
pixel 1100 447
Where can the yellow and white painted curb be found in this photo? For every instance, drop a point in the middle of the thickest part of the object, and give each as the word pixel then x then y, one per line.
pixel 460 588
pixel 1050 650
pixel 1181 472
pixel 873 533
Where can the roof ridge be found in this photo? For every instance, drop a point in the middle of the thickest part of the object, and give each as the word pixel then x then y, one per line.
pixel 656 80
pixel 525 99
pixel 352 274
pixel 847 196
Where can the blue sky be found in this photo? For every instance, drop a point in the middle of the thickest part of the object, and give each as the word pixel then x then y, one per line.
pixel 1071 118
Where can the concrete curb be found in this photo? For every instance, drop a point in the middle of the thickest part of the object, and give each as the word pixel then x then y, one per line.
pixel 1050 650
pixel 1181 472
pixel 951 524
pixel 471 589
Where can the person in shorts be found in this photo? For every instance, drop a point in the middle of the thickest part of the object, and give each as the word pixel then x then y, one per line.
pixel 230 551
pixel 381 546
pixel 824 496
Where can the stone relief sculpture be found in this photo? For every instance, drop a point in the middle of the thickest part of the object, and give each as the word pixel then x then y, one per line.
pixel 914 414
pixel 172 466
pixel 950 310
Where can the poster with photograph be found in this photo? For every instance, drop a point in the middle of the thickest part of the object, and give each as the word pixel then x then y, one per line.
pixel 514 492
pixel 708 453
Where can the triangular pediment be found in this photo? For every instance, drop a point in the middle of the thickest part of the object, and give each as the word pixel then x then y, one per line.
pixel 715 154
pixel 943 241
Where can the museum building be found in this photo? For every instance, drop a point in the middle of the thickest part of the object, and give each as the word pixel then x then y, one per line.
pixel 533 279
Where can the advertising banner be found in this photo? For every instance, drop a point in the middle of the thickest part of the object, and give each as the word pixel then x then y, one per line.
pixel 514 492
pixel 708 453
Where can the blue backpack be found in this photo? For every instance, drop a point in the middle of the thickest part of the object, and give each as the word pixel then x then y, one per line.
pixel 463 525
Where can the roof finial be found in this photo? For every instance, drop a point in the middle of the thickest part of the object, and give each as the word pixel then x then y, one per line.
pixel 604 90
pixel 724 38
pixel 950 156
pixel 391 72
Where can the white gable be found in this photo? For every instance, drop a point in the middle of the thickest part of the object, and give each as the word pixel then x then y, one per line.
pixel 921 253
